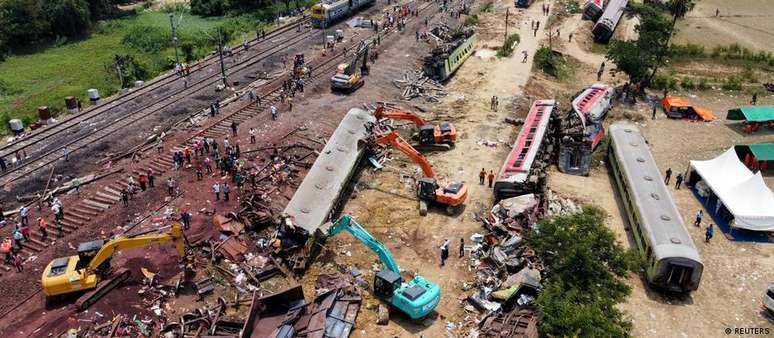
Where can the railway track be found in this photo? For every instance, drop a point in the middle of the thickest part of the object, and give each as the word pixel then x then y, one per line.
pixel 83 211
pixel 39 158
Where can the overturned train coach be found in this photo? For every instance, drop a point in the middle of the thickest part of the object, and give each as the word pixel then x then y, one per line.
pixel 328 12
pixel 605 27
pixel 524 169
pixel 582 130
pixel 593 9
pixel 672 261
pixel 326 186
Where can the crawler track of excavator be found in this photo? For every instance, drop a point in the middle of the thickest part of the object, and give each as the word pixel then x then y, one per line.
pixel 89 298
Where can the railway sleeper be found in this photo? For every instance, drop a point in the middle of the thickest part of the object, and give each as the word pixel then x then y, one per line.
pixel 84 211
pixel 91 207
pixel 76 215
pixel 71 220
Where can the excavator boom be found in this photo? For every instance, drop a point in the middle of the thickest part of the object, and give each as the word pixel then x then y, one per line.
pixel 417 298
pixel 392 138
pixel 85 271
pixel 381 113
pixel 346 223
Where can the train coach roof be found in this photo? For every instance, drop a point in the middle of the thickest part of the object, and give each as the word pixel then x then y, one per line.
pixel 664 225
pixel 320 190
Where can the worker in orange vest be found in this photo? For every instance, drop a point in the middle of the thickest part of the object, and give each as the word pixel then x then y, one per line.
pixel 5 248
pixel 43 227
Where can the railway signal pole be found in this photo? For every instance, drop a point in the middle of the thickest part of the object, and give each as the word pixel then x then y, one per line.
pixel 220 53
pixel 174 38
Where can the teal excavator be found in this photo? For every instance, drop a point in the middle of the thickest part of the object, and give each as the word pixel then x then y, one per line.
pixel 416 298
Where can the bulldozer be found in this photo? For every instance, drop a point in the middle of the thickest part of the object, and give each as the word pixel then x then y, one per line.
pixel 431 137
pixel 90 269
pixel 429 191
pixel 349 77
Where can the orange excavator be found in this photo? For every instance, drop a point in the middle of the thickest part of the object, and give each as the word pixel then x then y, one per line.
pixel 431 137
pixel 452 196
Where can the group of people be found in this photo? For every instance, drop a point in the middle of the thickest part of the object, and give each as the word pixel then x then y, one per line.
pixel 445 250
pixel 22 230
pixel 482 175
pixel 494 103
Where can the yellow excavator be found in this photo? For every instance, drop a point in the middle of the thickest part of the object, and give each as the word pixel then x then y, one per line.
pixel 90 269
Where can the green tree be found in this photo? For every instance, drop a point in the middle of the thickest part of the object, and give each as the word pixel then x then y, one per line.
pixel 68 17
pixel 21 23
pixel 678 9
pixel 585 276
pixel 638 59
pixel 209 7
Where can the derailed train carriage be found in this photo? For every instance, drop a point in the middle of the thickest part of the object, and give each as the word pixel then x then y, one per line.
pixel 672 261
pixel 605 27
pixel 328 12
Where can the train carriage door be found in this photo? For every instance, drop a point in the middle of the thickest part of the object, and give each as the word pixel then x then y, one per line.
pixel 678 276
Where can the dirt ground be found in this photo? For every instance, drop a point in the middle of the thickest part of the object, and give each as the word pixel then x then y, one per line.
pixel 384 203
pixel 746 22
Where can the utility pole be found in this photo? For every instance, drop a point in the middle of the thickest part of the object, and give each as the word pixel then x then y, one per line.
pixel 174 38
pixel 220 53
pixel 507 13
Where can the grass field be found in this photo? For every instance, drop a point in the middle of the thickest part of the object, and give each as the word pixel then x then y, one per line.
pixel 45 77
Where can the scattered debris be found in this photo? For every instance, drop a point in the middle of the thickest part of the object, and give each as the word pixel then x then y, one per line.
pixel 415 84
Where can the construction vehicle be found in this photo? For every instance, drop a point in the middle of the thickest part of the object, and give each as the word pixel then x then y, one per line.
pixel 428 190
pixel 431 137
pixel 90 269
pixel 349 77
pixel 417 298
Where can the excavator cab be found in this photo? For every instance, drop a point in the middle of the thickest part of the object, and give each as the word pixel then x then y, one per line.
pixel 385 283
pixel 427 134
pixel 426 188
pixel 87 251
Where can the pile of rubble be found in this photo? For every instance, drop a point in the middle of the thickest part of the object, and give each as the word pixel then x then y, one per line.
pixel 416 84
pixel 508 274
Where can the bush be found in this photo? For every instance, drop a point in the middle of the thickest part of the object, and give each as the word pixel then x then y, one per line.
pixel 68 17
pixel 586 276
pixel 703 84
pixel 687 83
pixel 550 62
pixel 471 20
pixel 132 69
pixel 208 7
pixel 487 7
pixel 732 82
pixel 149 39
pixel 662 81
pixel 687 51
pixel 506 49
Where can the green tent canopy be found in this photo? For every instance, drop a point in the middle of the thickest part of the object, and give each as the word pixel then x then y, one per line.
pixel 762 151
pixel 752 113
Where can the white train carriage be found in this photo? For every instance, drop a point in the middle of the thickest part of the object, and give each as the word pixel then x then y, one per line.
pixel 605 27
pixel 673 263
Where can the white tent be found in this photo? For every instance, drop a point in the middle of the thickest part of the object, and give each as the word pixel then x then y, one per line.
pixel 743 193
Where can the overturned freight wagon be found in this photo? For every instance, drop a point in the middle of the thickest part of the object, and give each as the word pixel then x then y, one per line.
pixel 324 188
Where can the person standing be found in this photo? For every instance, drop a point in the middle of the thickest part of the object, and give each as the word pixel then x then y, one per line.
pixel 678 181
pixel 151 178
pixel 481 176
pixel 462 247
pixel 274 113
pixel 3 165
pixel 754 100
pixel 699 216
pixel 17 237
pixel 226 191
pixel 491 178
pixel 668 175
pixel 43 225
pixel 216 190
pixel 234 128
pixel 653 115
pixel 76 183
pixel 185 216
pixel 444 252
pixel 25 231
pixel 17 262
pixel 171 186
pixel 290 103
pixel 252 135
pixel 125 197
pixel 208 165
pixel 24 213
pixel 66 153
pixel 570 39
pixel 708 234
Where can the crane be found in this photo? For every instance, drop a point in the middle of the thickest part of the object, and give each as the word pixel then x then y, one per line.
pixel 88 269
pixel 428 190
pixel 349 77
pixel 431 137
pixel 417 298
